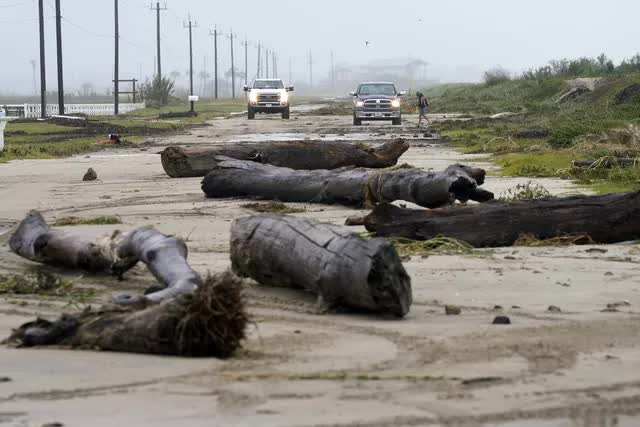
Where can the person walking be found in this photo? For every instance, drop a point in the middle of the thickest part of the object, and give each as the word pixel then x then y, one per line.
pixel 423 103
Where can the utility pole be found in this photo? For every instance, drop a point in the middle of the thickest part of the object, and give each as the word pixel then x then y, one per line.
pixel 310 70
pixel 233 70
pixel 215 35
pixel 333 72
pixel 290 72
pixel 266 62
pixel 191 26
pixel 59 50
pixel 246 61
pixel 259 74
pixel 275 65
pixel 116 68
pixel 35 80
pixel 43 69
pixel 158 9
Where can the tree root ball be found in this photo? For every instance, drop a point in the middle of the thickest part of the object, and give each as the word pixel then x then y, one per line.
pixel 211 322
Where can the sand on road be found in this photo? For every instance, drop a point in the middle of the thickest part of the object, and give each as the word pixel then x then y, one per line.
pixel 304 368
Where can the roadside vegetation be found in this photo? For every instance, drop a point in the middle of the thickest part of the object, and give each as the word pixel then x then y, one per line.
pixel 34 139
pixel 564 111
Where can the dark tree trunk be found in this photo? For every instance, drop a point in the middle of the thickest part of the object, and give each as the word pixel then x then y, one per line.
pixel 351 187
pixel 165 256
pixel 610 218
pixel 607 163
pixel 211 322
pixel 340 267
pixel 181 162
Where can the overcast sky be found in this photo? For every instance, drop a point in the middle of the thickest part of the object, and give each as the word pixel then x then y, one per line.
pixel 459 38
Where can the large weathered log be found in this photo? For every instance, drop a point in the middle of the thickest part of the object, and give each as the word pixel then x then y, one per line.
pixel 339 266
pixel 605 219
pixel 179 162
pixel 607 163
pixel 165 256
pixel 36 241
pixel 210 322
pixel 351 187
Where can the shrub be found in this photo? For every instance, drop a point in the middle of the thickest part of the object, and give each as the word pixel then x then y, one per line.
pixel 496 76
pixel 158 91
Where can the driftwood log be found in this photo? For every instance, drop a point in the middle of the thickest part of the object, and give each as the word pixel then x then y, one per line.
pixel 347 186
pixel 606 163
pixel 165 256
pixel 179 162
pixel 342 268
pixel 610 218
pixel 210 322
pixel 36 241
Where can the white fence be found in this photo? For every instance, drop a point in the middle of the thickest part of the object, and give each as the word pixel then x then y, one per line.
pixel 33 110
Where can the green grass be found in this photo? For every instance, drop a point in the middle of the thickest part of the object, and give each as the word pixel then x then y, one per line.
pixel 74 220
pixel 533 165
pixel 42 283
pixel 439 245
pixel 207 110
pixel 50 150
pixel 38 128
pixel 528 191
pixel 272 207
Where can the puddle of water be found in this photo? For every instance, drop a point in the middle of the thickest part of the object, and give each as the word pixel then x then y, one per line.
pixel 307 108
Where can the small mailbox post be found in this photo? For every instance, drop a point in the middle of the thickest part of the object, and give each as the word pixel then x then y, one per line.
pixel 3 122
pixel 193 99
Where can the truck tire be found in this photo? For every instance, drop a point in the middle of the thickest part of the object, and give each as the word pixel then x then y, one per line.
pixel 357 121
pixel 251 114
pixel 285 114
pixel 397 122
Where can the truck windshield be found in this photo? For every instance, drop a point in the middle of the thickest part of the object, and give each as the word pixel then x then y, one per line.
pixel 377 89
pixel 268 84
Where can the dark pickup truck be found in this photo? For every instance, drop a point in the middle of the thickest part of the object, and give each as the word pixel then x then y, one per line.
pixel 377 101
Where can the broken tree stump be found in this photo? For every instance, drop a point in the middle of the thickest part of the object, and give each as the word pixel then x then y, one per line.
pixel 211 322
pixel 609 218
pixel 165 256
pixel 606 163
pixel 348 186
pixel 179 162
pixel 340 267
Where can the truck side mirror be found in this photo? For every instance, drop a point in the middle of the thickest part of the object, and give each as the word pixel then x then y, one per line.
pixel 402 93
pixel 246 88
pixel 290 89
pixel 352 93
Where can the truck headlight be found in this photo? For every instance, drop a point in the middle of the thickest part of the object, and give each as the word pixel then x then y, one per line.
pixel 395 103
pixel 253 97
pixel 359 104
pixel 284 98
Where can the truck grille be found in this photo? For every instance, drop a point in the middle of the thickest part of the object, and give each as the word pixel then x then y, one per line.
pixel 268 97
pixel 377 104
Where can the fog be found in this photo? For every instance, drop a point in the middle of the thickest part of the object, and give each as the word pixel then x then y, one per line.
pixel 459 39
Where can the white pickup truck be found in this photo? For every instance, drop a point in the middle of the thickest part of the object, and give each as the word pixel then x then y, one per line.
pixel 268 96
